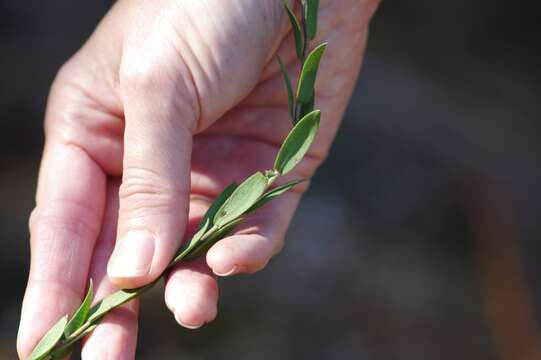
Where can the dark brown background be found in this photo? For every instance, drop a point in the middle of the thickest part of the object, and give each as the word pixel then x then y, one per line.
pixel 419 238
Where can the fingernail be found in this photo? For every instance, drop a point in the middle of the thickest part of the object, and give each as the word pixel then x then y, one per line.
pixel 226 273
pixel 133 255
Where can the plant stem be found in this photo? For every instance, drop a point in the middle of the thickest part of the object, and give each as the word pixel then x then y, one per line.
pixel 305 47
pixel 119 298
pixel 81 332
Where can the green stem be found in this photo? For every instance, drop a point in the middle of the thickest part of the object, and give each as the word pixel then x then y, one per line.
pixel 306 41
pixel 305 47
pixel 80 332
pixel 65 345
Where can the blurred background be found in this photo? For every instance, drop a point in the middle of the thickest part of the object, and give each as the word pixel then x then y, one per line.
pixel 419 237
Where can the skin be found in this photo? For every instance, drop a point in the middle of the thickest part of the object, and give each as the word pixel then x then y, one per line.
pixel 165 104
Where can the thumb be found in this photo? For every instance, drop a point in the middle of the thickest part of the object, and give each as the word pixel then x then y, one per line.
pixel 155 185
pixel 170 88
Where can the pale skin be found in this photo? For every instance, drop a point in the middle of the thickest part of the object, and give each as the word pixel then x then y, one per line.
pixel 166 104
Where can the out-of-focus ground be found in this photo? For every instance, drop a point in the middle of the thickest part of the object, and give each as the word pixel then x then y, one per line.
pixel 419 238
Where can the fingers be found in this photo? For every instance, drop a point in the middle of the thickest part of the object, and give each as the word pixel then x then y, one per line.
pixel 250 249
pixel 242 253
pixel 156 176
pixel 63 230
pixel 191 293
pixel 191 290
pixel 116 335
pixel 115 338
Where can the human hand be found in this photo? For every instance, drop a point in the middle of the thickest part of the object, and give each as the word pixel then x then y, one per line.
pixel 179 99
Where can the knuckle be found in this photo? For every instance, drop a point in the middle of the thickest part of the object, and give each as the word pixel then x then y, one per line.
pixel 66 124
pixel 139 75
pixel 145 190
pixel 157 77
pixel 64 118
pixel 65 72
pixel 64 217
pixel 68 107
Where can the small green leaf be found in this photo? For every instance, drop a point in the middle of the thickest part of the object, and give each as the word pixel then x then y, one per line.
pixel 307 107
pixel 112 301
pixel 244 196
pixel 295 25
pixel 63 351
pixel 311 18
pixel 49 340
pixel 81 314
pixel 205 223
pixel 224 231
pixel 203 227
pixel 305 90
pixel 297 142
pixel 188 246
pixel 290 98
pixel 220 200
pixel 88 331
pixel 277 191
pixel 271 174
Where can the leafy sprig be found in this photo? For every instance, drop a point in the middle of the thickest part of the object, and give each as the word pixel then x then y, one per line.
pixel 234 203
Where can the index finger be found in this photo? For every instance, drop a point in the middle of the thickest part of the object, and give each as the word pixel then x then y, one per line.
pixel 63 228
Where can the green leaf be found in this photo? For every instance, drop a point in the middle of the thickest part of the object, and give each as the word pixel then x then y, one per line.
pixel 297 142
pixel 305 90
pixel 271 174
pixel 63 351
pixel 81 314
pixel 205 223
pixel 244 196
pixel 308 107
pixel 220 200
pixel 290 98
pixel 49 340
pixel 88 331
pixel 188 246
pixel 221 233
pixel 311 18
pixel 277 191
pixel 112 301
pixel 203 227
pixel 295 25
